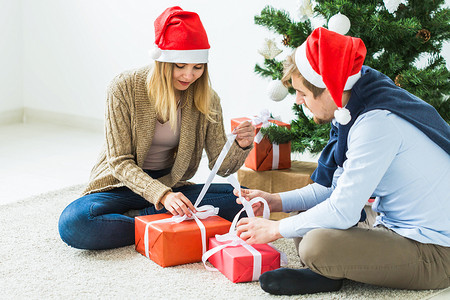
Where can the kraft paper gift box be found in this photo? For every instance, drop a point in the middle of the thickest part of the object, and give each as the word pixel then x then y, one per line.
pixel 236 262
pixel 173 243
pixel 260 157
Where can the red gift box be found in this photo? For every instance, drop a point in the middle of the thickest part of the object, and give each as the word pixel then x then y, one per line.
pixel 261 156
pixel 172 243
pixel 236 262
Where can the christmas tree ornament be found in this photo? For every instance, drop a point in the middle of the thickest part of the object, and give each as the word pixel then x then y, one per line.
pixel 424 35
pixel 286 40
pixel 305 10
pixel 392 5
pixel 270 49
pixel 339 23
pixel 276 90
pixel 398 80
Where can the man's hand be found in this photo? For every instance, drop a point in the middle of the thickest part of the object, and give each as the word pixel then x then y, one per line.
pixel 177 204
pixel 274 200
pixel 258 230
pixel 245 132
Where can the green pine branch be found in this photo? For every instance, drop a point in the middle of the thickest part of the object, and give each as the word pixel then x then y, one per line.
pixel 272 68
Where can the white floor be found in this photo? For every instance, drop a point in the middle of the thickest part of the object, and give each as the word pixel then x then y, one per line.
pixel 38 157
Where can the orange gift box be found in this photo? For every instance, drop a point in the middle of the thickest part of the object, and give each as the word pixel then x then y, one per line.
pixel 172 243
pixel 236 262
pixel 261 156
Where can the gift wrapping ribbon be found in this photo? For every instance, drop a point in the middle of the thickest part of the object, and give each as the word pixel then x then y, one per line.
pixel 204 211
pixel 263 118
pixel 235 240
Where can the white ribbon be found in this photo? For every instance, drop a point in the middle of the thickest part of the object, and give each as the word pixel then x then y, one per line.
pixel 232 237
pixel 276 156
pixel 204 211
pixel 263 118
pixel 234 240
pixel 212 174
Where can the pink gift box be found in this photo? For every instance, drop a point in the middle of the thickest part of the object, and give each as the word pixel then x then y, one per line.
pixel 236 262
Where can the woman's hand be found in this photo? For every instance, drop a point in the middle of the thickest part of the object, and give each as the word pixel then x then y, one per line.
pixel 178 204
pixel 245 132
pixel 258 230
pixel 274 200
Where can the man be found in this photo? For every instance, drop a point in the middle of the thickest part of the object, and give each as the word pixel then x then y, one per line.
pixel 384 143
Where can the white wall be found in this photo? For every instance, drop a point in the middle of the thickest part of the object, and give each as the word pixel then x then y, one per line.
pixel 72 49
pixel 10 59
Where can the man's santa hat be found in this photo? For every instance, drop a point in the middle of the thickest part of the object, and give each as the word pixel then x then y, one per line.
pixel 331 60
pixel 180 37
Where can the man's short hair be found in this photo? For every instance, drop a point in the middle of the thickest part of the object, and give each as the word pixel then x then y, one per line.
pixel 290 68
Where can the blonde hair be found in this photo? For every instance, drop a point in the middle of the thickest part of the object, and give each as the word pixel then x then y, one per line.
pixel 161 92
pixel 290 68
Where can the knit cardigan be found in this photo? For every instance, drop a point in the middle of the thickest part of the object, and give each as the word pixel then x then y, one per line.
pixel 130 119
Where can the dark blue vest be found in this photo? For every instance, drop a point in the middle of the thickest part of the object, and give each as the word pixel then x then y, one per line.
pixel 375 90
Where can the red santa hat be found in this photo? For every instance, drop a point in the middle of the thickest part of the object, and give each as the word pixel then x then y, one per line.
pixel 331 60
pixel 180 37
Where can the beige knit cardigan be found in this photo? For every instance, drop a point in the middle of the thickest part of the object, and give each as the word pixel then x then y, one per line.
pixel 129 126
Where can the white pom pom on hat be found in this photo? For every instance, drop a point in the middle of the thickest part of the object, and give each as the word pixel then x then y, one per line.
pixel 155 53
pixel 331 60
pixel 342 116
pixel 180 37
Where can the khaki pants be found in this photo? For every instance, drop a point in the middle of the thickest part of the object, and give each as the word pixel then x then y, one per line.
pixel 376 256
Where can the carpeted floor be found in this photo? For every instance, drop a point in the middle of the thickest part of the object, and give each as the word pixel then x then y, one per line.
pixel 36 264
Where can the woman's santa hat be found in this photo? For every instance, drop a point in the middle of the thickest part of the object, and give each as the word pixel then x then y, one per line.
pixel 180 37
pixel 331 60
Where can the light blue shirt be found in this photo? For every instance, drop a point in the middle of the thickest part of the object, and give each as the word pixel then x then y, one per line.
pixel 390 159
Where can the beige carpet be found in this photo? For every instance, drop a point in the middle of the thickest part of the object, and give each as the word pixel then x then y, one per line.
pixel 36 264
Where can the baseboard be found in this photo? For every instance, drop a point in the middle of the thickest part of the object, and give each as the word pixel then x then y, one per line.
pixel 11 116
pixel 31 115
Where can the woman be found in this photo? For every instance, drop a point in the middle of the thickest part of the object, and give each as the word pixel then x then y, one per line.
pixel 158 121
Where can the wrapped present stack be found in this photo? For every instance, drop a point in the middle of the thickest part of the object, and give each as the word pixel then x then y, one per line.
pixel 265 155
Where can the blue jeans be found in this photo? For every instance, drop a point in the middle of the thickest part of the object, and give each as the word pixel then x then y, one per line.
pixel 96 221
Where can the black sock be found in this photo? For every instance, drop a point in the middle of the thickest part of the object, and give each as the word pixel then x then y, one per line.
pixel 297 281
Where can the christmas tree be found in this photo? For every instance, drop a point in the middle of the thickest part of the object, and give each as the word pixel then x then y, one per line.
pixel 398 34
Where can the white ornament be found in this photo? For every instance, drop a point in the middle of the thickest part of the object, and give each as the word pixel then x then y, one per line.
pixel 307 112
pixel 276 90
pixel 155 53
pixel 342 116
pixel 392 5
pixel 270 49
pixel 339 23
pixel 305 10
